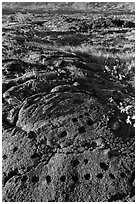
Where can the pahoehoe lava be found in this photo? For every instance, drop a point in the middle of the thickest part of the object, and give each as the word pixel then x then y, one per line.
pixel 63 140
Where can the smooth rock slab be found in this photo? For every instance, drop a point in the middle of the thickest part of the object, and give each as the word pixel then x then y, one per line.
pixel 38 109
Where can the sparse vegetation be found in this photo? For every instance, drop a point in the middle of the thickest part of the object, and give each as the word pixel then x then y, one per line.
pixel 22 18
pixel 68 101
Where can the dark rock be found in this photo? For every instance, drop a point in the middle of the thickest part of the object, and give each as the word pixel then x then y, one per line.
pixel 58 143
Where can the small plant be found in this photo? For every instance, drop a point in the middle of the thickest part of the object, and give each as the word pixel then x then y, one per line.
pixel 123 107
pixel 21 18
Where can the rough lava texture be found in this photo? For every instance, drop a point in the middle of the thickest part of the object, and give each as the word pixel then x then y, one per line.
pixel 58 143
pixel 62 138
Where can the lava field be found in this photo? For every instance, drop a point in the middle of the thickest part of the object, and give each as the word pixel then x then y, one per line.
pixel 68 117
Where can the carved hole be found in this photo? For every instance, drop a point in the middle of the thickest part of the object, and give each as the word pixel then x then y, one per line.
pixel 85 161
pixel 62 178
pixel 77 101
pixel 100 176
pixel 48 179
pixel 74 120
pixel 113 153
pixel 111 176
pixel 86 114
pixel 75 178
pixel 35 179
pixel 86 144
pixel 5 156
pixel 10 175
pixel 15 149
pixel 35 156
pixel 89 122
pixel 122 174
pixel 75 162
pixel 81 130
pixel 87 176
pixel 24 178
pixel 94 144
pixel 104 166
pixel 63 134
pixel 32 135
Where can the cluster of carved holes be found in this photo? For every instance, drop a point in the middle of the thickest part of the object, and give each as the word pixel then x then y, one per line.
pixel 15 149
pixel 35 179
pixel 74 177
pixel 100 176
pixel 32 135
pixel 112 176
pixel 76 162
pixel 81 129
pixel 88 122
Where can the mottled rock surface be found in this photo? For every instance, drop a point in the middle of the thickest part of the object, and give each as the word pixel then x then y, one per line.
pixel 63 138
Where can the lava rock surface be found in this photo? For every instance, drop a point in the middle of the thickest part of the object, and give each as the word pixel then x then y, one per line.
pixel 63 141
